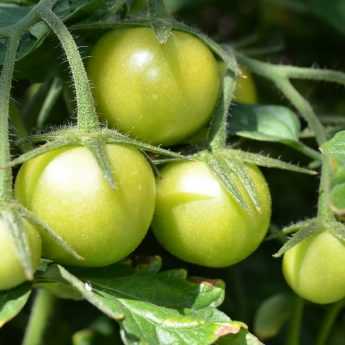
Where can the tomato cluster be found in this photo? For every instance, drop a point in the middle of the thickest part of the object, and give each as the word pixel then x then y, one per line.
pixel 161 94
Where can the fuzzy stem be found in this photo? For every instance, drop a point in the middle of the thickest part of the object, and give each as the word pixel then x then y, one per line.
pixel 328 322
pixel 5 94
pixel 86 112
pixel 304 108
pixel 324 210
pixel 40 314
pixel 308 151
pixel 280 76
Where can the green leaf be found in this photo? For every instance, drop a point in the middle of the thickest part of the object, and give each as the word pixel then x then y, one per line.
pixel 265 123
pixel 331 12
pixel 338 199
pixel 12 302
pixel 272 314
pixel 147 311
pixel 335 148
pixel 12 13
pixel 242 338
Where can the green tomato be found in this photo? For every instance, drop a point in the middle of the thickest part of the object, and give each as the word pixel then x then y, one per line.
pixel 245 88
pixel 198 221
pixel 159 93
pixel 315 268
pixel 11 270
pixel 66 189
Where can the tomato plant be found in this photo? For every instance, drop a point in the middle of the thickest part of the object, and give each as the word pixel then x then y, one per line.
pixel 312 268
pixel 133 140
pixel 164 92
pixel 11 270
pixel 198 221
pixel 65 188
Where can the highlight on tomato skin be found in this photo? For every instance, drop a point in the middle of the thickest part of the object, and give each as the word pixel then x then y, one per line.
pixel 65 188
pixel 198 221
pixel 11 269
pixel 158 93
pixel 314 268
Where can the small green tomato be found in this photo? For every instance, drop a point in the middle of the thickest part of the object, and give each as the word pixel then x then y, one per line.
pixel 159 93
pixel 11 270
pixel 66 189
pixel 198 221
pixel 315 268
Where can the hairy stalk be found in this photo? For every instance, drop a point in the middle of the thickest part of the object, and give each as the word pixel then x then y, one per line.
pixel 303 106
pixel 324 210
pixel 328 322
pixel 281 75
pixel 39 318
pixel 86 112
pixel 5 92
pixel 309 152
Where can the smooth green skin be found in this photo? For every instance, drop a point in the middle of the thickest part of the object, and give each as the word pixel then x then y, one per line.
pixel 315 268
pixel 66 189
pixel 159 93
pixel 198 221
pixel 11 270
pixel 245 86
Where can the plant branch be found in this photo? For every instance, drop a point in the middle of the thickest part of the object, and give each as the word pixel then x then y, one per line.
pixel 328 322
pixel 324 210
pixel 303 106
pixel 86 111
pixel 5 93
pixel 280 76
pixel 40 315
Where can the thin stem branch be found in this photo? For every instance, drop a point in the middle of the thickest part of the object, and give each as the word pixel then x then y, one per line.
pixel 280 75
pixel 294 72
pixel 328 322
pixel 5 93
pixel 294 332
pixel 324 210
pixel 86 111
pixel 308 151
pixel 39 318
pixel 303 106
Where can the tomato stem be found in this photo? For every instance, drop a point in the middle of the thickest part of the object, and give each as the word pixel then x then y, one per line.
pixel 324 210
pixel 40 315
pixel 5 93
pixel 86 111
pixel 281 75
pixel 328 322
pixel 294 332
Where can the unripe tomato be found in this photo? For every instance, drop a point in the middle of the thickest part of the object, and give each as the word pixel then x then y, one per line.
pixel 11 270
pixel 245 88
pixel 198 221
pixel 159 93
pixel 315 268
pixel 66 189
